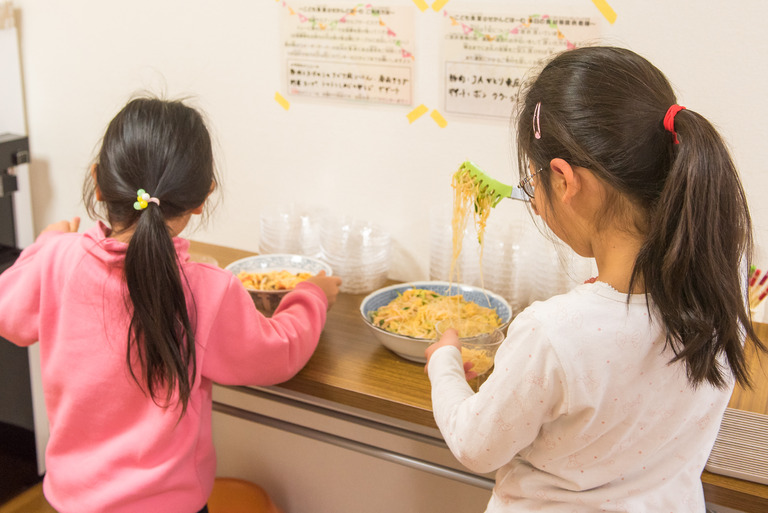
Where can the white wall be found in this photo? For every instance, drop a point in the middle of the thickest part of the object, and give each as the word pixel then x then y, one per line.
pixel 82 59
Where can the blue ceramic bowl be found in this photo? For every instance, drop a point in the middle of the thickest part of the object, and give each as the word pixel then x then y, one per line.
pixel 412 348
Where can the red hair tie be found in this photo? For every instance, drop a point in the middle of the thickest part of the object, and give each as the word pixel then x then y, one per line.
pixel 669 120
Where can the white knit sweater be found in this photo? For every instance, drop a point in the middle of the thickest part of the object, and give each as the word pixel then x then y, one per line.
pixel 583 411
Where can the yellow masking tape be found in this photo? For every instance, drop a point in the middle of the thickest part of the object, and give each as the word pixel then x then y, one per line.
pixel 282 101
pixel 439 119
pixel 417 113
pixel 421 4
pixel 606 9
pixel 438 4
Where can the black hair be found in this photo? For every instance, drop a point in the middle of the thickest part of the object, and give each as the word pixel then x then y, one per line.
pixel 602 108
pixel 163 147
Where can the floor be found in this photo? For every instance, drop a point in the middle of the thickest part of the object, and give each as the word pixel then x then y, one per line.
pixel 18 462
pixel 32 500
pixel 21 488
pixel 29 501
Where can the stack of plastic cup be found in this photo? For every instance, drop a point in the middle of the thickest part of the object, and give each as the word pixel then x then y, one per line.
pixel 554 267
pixel 467 267
pixel 290 231
pixel 505 259
pixel 359 252
pixel 518 262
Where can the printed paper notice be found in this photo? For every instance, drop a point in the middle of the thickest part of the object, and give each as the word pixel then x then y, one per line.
pixel 486 56
pixel 361 53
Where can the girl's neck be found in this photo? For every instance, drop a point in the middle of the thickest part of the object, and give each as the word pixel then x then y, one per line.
pixel 121 235
pixel 615 257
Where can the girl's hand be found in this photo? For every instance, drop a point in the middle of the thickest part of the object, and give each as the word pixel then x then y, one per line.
pixel 449 338
pixel 64 226
pixel 329 284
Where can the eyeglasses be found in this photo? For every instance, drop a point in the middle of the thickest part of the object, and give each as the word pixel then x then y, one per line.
pixel 526 184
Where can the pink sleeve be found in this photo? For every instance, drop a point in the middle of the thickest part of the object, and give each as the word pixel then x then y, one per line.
pixel 20 287
pixel 246 348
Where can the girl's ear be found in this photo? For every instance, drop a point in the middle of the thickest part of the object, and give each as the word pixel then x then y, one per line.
pixel 99 197
pixel 199 209
pixel 565 181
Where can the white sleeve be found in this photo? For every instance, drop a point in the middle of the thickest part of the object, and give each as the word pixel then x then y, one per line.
pixel 525 390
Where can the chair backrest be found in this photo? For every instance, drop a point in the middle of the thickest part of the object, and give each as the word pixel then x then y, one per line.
pixel 232 495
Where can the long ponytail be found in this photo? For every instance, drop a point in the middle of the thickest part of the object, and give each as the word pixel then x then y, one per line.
pixel 603 109
pixel 160 333
pixel 693 261
pixel 163 147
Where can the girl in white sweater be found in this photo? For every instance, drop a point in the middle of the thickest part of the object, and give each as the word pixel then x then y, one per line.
pixel 609 397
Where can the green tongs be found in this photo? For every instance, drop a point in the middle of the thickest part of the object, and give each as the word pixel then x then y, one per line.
pixel 492 187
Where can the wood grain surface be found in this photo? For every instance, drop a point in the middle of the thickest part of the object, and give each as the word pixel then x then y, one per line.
pixel 351 368
pixel 756 398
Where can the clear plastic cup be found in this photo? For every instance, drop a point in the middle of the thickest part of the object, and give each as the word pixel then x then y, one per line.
pixel 358 251
pixel 289 231
pixel 478 349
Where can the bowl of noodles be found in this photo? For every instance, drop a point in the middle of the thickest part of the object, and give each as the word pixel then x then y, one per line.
pixel 268 278
pixel 402 317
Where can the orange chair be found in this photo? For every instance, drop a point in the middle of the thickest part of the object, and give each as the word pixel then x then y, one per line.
pixel 231 495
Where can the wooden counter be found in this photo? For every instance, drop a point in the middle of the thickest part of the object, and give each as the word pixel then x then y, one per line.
pixel 737 493
pixel 351 368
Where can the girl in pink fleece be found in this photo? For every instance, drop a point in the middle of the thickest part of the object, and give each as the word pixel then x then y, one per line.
pixel 132 333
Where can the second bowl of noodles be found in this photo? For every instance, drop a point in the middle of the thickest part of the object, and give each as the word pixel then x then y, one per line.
pixel 402 317
pixel 269 278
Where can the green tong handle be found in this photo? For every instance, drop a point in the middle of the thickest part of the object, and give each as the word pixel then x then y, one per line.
pixel 493 187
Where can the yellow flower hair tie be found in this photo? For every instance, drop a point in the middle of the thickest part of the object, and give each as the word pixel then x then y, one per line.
pixel 143 199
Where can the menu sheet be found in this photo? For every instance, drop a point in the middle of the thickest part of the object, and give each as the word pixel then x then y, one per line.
pixel 361 52
pixel 487 56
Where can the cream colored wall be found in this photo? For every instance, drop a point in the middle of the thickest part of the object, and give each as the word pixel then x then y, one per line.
pixel 82 59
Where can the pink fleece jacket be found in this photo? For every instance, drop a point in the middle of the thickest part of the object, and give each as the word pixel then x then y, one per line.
pixel 112 449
